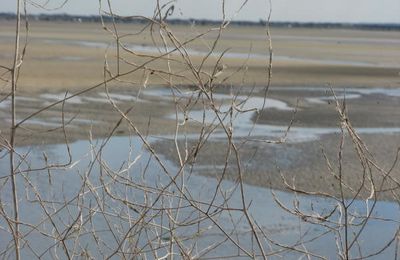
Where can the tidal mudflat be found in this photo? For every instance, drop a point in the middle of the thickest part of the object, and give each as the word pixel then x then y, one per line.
pixel 126 158
pixel 182 124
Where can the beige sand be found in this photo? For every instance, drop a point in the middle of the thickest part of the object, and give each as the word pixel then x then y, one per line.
pixel 55 63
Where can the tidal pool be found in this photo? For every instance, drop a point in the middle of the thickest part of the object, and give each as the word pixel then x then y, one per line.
pixel 73 201
pixel 125 158
pixel 246 106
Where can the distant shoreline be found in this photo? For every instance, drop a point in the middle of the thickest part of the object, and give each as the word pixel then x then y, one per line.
pixel 138 20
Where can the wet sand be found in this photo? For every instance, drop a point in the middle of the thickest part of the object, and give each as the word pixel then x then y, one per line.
pixel 302 165
pixel 72 58
pixel 57 61
pixel 300 160
pixel 363 109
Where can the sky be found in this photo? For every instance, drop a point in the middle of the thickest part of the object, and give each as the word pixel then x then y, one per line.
pixel 342 11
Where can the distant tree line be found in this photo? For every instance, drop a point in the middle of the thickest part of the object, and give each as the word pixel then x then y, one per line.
pixel 136 20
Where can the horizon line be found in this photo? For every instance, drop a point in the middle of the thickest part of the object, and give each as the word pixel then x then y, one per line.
pixel 204 21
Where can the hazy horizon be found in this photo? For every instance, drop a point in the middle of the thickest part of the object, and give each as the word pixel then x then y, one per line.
pixel 340 11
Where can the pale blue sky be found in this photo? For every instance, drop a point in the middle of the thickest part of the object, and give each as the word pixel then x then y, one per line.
pixel 352 11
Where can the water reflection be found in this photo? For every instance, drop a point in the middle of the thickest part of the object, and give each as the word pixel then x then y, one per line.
pixel 71 193
pixel 124 157
pixel 245 108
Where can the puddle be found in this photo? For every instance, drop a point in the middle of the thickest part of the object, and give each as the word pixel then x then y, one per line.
pixel 84 99
pixel 243 125
pixel 243 114
pixel 96 99
pixel 74 121
pixel 5 104
pixel 391 92
pixel 242 120
pixel 43 122
pixel 61 96
pixel 322 100
pixel 327 62
pixel 146 49
pixel 144 170
pixel 125 158
pixel 121 97
pixel 252 102
pixel 275 132
pixel 151 50
pixel 31 99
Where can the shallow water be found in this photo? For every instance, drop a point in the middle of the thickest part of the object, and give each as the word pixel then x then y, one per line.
pixel 121 97
pixel 98 98
pixel 125 156
pixel 394 92
pixel 58 97
pixel 43 122
pixel 144 49
pixel 243 111
pixel 322 100
pixel 246 107
pixel 5 104
pixel 123 151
